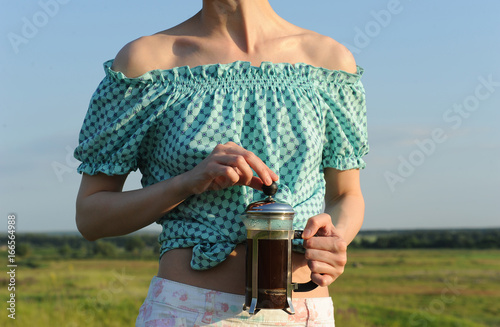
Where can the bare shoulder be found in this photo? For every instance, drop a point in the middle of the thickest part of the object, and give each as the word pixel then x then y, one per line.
pixel 326 52
pixel 142 55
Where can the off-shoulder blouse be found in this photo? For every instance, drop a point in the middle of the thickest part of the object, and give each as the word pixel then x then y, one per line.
pixel 299 119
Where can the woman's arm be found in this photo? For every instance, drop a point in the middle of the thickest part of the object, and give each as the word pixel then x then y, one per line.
pixel 344 211
pixel 102 209
pixel 344 201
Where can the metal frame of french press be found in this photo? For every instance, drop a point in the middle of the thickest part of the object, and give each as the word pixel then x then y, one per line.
pixel 275 235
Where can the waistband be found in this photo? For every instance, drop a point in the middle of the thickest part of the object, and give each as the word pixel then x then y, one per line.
pixel 168 298
pixel 189 297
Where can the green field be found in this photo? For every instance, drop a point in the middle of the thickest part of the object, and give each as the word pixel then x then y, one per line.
pixel 379 288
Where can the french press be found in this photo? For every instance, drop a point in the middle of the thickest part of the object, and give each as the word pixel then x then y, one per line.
pixel 270 233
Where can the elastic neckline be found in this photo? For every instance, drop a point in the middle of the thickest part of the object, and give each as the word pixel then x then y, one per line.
pixel 240 69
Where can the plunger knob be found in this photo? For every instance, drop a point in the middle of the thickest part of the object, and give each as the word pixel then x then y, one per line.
pixel 270 190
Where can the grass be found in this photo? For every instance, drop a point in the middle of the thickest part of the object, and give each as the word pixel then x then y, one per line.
pixel 419 288
pixel 81 293
pixel 387 288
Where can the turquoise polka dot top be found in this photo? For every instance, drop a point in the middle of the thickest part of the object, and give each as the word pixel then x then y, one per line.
pixel 297 118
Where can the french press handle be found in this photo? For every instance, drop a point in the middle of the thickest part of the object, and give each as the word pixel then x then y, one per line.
pixel 310 285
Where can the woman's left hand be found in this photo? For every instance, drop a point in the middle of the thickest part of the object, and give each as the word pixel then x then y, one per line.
pixel 327 254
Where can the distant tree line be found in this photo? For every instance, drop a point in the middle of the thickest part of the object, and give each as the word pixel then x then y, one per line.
pixel 430 239
pixel 146 245
pixel 75 246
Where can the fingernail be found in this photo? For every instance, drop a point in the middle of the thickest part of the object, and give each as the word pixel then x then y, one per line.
pixel 306 233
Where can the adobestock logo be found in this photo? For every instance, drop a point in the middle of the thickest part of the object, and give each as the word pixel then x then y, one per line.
pixel 69 167
pixel 31 26
pixel 454 116
pixel 381 19
pixel 437 306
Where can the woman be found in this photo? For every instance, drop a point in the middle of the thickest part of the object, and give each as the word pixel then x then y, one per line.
pixel 199 108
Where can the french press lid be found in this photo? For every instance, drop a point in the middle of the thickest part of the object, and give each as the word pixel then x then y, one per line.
pixel 269 206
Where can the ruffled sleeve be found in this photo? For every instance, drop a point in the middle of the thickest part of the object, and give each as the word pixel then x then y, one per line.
pixel 121 112
pixel 346 136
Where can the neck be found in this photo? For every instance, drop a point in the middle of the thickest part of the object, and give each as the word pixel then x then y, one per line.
pixel 242 21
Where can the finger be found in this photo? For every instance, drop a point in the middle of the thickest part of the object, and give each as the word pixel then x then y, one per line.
pixel 261 169
pixel 239 165
pixel 327 243
pixel 324 274
pixel 322 280
pixel 325 262
pixel 319 267
pixel 225 176
pixel 256 183
pixel 321 255
pixel 319 222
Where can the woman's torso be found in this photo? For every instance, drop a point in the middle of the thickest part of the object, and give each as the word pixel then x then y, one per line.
pixel 229 276
pixel 170 49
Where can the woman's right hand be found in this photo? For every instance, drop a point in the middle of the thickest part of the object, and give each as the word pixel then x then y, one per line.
pixel 228 165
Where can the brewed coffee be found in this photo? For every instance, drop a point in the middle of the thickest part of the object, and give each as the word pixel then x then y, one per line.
pixel 269 267
pixel 272 273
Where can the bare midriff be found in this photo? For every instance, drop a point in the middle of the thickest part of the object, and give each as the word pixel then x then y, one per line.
pixel 228 276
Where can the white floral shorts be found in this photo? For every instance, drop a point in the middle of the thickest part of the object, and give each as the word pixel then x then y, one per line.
pixel 173 304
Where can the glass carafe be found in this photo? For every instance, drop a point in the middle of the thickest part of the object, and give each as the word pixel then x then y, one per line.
pixel 270 233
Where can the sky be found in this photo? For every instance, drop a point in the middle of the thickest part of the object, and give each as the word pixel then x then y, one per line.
pixel 432 80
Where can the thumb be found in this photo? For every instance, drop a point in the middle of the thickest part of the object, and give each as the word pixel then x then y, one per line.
pixel 315 223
